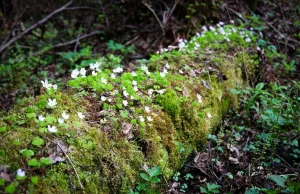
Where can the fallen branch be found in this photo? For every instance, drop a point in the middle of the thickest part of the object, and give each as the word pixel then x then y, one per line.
pixel 75 40
pixel 13 40
pixel 156 17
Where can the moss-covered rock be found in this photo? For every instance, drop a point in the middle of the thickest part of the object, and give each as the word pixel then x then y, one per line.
pixel 132 120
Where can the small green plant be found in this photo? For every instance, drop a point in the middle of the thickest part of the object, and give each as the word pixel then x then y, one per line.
pixel 149 179
pixel 113 46
pixel 210 188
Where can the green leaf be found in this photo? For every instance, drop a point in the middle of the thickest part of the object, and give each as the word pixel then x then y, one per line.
pixel 11 188
pixel 50 120
pixel 279 180
pixel 34 180
pixel 252 191
pixel 119 106
pixel 293 143
pixel 259 86
pixel 42 124
pixel 203 190
pixel 2 182
pixel 16 142
pixel 212 186
pixel 33 162
pixel 45 161
pixel 37 141
pixel 43 130
pixel 145 176
pixel 31 115
pixel 133 121
pixel 27 153
pixel 155 180
pixel 154 171
pixel 2 153
pixel 3 129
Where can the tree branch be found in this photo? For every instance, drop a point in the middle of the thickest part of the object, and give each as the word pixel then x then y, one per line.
pixel 13 40
pixel 156 17
pixel 75 40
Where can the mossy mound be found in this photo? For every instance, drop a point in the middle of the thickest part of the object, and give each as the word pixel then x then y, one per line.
pixel 132 120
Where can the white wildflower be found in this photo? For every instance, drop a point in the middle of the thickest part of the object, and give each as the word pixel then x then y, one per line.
pixel 181 72
pixel 75 73
pixel 94 73
pixel 20 172
pixel 134 82
pixel 204 28
pixel 46 84
pixel 113 76
pixel 51 102
pixel 133 74
pixel 41 118
pixel 52 129
pixel 80 115
pixel 93 66
pixel 221 23
pixel 109 99
pixel 125 93
pixel 82 72
pixel 118 70
pixel 135 88
pixel 103 98
pixel 209 115
pixel 150 91
pixel 131 97
pixel 60 120
pixel 125 102
pixel 149 119
pixel 103 80
pixel 167 66
pixel 199 97
pixel 144 68
pixel 147 109
pixel 142 119
pixel 65 115
pixel 212 28
pixel 232 21
pixel 161 91
pixel 248 39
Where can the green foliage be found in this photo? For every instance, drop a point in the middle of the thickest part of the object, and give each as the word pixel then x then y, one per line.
pixel 113 46
pixel 149 179
pixel 210 188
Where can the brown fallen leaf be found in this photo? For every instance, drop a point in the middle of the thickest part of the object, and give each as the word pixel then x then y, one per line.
pixel 5 176
pixel 127 130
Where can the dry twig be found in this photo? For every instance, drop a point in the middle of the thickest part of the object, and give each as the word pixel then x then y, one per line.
pixel 156 17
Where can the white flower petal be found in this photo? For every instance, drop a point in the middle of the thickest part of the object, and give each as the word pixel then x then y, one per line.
pixel 20 172
pixel 52 129
pixel 65 116
pixel 80 115
pixel 60 120
pixel 41 118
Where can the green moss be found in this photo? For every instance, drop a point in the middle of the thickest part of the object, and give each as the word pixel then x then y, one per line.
pixel 170 102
